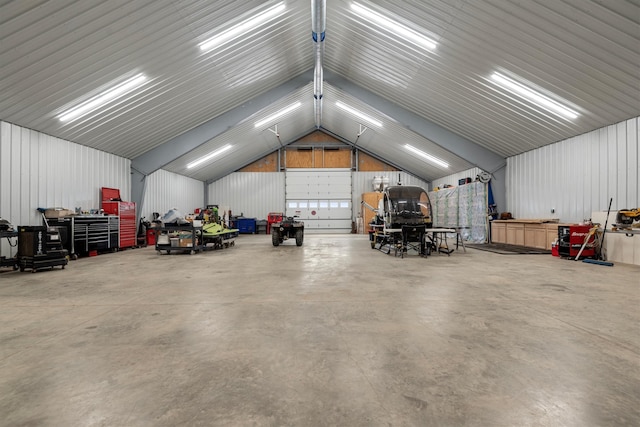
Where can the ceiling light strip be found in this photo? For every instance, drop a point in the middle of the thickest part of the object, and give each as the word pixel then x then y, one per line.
pixel 209 156
pixel 278 114
pixel 426 156
pixel 531 95
pixel 103 98
pixel 358 114
pixel 242 28
pixel 396 28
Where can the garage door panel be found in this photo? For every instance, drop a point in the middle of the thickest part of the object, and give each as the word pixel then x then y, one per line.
pixel 323 199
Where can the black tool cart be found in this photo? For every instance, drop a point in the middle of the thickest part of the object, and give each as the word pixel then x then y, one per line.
pixel 180 238
pixel 11 261
pixel 40 247
pixel 81 234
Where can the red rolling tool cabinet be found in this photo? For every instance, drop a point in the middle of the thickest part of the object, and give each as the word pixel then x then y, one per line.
pixel 112 204
pixel 571 238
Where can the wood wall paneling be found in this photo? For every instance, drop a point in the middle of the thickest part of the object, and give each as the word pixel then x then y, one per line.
pixel 299 158
pixel 268 163
pixel 317 137
pixel 367 163
pixel 340 158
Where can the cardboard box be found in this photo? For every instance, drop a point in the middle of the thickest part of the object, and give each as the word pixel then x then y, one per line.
pixel 186 243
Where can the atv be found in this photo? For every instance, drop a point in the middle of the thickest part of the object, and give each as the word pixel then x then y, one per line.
pixel 287 227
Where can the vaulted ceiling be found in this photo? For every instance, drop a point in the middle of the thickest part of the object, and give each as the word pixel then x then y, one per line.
pixel 443 101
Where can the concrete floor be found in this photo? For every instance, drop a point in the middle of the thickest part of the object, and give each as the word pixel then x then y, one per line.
pixel 330 333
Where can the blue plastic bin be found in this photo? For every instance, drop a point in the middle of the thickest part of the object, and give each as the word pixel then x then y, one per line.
pixel 246 225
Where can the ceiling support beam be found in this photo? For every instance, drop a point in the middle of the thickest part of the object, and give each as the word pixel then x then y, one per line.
pixel 468 150
pixel 154 159
pixel 164 154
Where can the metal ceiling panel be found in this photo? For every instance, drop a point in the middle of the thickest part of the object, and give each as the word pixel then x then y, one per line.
pixel 250 142
pixel 586 52
pixel 387 141
pixel 54 54
pixel 57 54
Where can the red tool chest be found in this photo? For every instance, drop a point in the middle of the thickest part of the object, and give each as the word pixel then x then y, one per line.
pixel 571 238
pixel 112 204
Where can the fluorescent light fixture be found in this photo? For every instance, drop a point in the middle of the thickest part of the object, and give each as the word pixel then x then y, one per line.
pixel 531 95
pixel 358 114
pixel 102 98
pixel 209 156
pixel 278 114
pixel 429 157
pixel 243 27
pixel 394 27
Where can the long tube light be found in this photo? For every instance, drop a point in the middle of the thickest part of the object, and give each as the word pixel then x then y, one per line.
pixel 531 95
pixel 358 114
pixel 429 157
pixel 209 156
pixel 278 114
pixel 394 27
pixel 243 27
pixel 102 98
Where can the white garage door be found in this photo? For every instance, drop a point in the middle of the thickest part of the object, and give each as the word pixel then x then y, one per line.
pixel 322 197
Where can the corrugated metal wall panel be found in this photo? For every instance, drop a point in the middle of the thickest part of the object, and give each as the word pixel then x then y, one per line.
pixel 38 170
pixel 253 194
pixel 454 178
pixel 168 190
pixel 577 176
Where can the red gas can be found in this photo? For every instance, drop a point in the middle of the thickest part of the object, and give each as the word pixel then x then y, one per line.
pixel 151 237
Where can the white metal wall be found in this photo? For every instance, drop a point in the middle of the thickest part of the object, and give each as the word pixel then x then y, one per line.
pixel 167 190
pixel 38 170
pixel 577 176
pixel 254 194
pixel 454 178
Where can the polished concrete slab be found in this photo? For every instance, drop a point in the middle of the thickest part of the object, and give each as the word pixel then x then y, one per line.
pixel 330 333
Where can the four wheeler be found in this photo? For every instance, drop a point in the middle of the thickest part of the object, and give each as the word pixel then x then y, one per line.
pixel 287 227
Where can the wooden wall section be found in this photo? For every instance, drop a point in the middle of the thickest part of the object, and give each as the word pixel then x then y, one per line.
pixel 366 163
pixel 317 157
pixel 333 158
pixel 317 150
pixel 268 163
pixel 299 158
pixel 318 137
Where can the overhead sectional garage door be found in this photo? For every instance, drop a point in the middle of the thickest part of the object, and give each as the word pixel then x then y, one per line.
pixel 322 198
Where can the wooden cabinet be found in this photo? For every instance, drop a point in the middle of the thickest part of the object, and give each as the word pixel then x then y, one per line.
pixel 498 232
pixel 532 233
pixel 367 214
pixel 515 234
pixel 535 235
